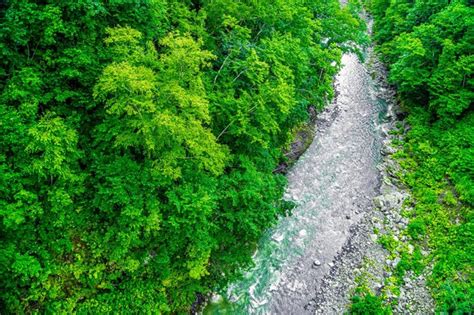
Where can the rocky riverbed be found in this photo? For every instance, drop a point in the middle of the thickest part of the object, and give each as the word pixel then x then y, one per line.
pixel 363 260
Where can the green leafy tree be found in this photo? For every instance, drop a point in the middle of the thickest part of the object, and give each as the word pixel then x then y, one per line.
pixel 138 141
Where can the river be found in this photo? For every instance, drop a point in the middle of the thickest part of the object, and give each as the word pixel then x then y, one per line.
pixel 333 184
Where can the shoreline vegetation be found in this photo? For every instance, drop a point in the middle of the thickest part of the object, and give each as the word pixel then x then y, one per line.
pixel 429 52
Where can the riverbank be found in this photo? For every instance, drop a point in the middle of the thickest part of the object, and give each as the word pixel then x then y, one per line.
pixel 435 154
pixel 332 184
pixel 369 263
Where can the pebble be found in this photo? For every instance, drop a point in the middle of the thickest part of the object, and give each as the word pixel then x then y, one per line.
pixel 316 263
pixel 396 261
pixel 374 237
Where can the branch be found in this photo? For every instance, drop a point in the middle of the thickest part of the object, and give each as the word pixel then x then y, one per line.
pixel 227 127
pixel 222 66
pixel 235 79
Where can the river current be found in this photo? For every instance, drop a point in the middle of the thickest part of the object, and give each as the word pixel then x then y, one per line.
pixel 332 184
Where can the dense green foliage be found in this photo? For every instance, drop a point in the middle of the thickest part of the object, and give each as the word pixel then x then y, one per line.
pixel 367 303
pixel 429 47
pixel 138 141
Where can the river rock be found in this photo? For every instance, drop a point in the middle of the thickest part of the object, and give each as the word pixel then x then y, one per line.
pixel 396 261
pixel 379 201
pixel 373 237
pixel 393 200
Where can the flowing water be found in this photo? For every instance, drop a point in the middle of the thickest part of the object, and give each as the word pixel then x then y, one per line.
pixel 332 184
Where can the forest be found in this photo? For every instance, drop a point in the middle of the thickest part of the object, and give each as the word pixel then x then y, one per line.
pixel 139 142
pixel 428 47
